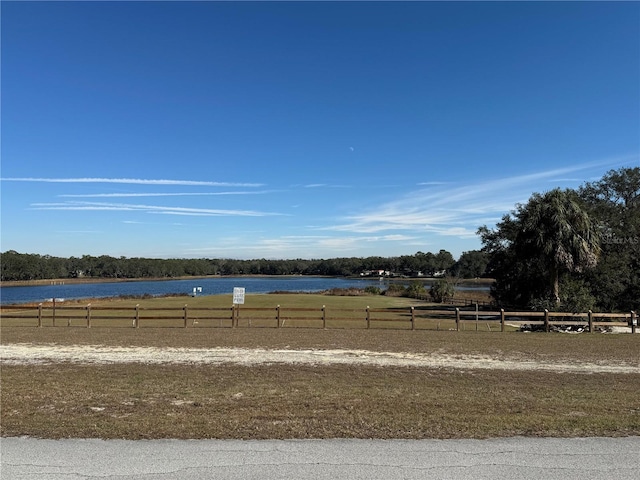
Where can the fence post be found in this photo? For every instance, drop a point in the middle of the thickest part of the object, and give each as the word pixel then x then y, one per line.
pixel 278 315
pixel 546 320
pixel 136 321
pixel 186 315
pixel 457 319
pixel 40 315
pixel 633 321
pixel 324 317
pixel 476 316
pixel 368 317
pixel 590 317
pixel 413 318
pixel 502 319
pixel 89 316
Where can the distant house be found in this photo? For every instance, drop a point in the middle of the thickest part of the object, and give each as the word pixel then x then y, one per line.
pixel 375 273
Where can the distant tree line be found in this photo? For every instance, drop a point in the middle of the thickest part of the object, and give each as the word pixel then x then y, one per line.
pixel 25 266
pixel 570 249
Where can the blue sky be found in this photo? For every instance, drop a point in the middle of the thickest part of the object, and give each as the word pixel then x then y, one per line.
pixel 303 130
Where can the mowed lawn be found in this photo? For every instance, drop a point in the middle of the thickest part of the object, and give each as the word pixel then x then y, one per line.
pixel 302 401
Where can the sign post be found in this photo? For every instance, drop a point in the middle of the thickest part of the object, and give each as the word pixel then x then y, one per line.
pixel 238 299
pixel 54 300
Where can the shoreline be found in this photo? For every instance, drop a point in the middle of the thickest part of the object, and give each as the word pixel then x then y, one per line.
pixel 88 280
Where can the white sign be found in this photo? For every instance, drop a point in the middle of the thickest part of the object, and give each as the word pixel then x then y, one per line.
pixel 238 295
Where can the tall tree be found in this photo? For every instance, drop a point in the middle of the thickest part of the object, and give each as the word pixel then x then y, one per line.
pixel 548 235
pixel 614 201
pixel 558 230
pixel 471 264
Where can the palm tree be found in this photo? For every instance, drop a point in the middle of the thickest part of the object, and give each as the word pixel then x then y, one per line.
pixel 556 229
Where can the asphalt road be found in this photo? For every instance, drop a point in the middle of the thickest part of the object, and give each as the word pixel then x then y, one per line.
pixel 506 458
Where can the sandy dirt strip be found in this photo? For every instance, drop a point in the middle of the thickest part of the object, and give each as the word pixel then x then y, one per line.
pixel 25 354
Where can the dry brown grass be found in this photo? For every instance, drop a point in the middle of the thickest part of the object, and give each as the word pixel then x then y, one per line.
pixel 593 348
pixel 297 401
pixel 138 401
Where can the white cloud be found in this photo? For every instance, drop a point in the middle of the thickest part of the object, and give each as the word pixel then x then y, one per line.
pixel 156 209
pixel 135 181
pixel 159 194
pixel 454 210
pixel 300 246
pixel 324 185
pixel 435 214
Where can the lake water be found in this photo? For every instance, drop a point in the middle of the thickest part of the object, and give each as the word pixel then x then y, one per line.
pixel 210 286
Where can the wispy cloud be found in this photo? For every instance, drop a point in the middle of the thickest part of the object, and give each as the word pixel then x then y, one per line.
pixel 134 181
pixel 160 194
pixel 566 180
pixel 348 242
pixel 303 246
pixel 324 185
pixel 455 210
pixel 155 209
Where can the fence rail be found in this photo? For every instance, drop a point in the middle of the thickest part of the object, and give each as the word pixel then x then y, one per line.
pixel 413 318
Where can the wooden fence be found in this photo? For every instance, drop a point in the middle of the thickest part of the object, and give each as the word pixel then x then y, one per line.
pixel 413 318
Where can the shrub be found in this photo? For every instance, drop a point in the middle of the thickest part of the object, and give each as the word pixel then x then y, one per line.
pixel 395 290
pixel 372 290
pixel 415 290
pixel 575 297
pixel 441 291
pixel 344 292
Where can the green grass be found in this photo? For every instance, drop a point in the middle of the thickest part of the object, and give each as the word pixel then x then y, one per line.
pixel 296 310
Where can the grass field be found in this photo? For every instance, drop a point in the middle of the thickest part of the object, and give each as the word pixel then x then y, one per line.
pixel 135 400
pixel 297 310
